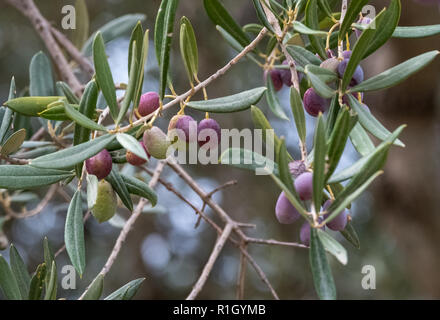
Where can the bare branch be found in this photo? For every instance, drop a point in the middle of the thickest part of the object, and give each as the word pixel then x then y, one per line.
pixel 43 28
pixel 208 267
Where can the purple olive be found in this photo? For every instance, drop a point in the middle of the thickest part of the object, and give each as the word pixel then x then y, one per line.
pixel 184 123
pixel 134 159
pixel 212 127
pixel 148 103
pixel 285 211
pixel 100 165
pixel 339 222
pixel 296 168
pixel 286 75
pixel 313 103
pixel 277 81
pixel 358 75
pixel 304 185
pixel 346 54
pixel 304 234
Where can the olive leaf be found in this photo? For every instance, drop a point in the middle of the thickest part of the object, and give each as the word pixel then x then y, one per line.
pixel 67 91
pixel 353 10
pixel 247 159
pixel 188 48
pixel 417 32
pixel 104 76
pixel 322 274
pixel 7 117
pixel 31 106
pixel 298 114
pixel 127 291
pixel 120 187
pixel 8 282
pixel 132 145
pixel 332 246
pixel 20 272
pixel 220 16
pixel 14 177
pixel 139 188
pixel 273 101
pixel 41 78
pixel 74 233
pixel 311 21
pixel 163 32
pixel 320 151
pixel 81 33
pixel 81 119
pixel 94 291
pixel 234 103
pixel 113 29
pixel 302 56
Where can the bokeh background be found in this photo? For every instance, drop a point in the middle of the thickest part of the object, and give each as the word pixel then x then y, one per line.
pixel 397 219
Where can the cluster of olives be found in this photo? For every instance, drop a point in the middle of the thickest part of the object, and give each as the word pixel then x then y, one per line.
pixel 155 143
pixel 313 102
pixel 287 214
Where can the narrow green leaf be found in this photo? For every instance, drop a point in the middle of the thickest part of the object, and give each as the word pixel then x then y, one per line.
pixel 8 283
pixel 261 122
pixel 220 16
pixel 311 21
pixel 319 85
pixel 81 33
pixel 163 32
pixel 233 103
pixel 417 32
pixel 397 74
pixel 322 274
pixel 188 48
pixel 249 160
pixel 333 247
pixel 37 282
pixel 320 151
pixel 273 101
pixel 355 188
pixel 7 117
pixel 67 91
pixel 87 107
pixel 132 145
pixel 360 140
pixel 48 254
pixel 386 23
pixel 369 122
pixel 114 29
pixel 141 68
pixel 51 288
pixel 41 78
pixel 127 291
pixel 283 167
pixel 74 234
pixel 261 15
pixel 20 272
pixel 303 29
pixel 82 120
pixel 349 233
pixel 357 55
pixel 104 76
pixel 67 158
pixel 14 177
pixel 303 56
pixel 338 140
pixel 355 168
pixel 353 10
pixel 94 291
pixel 31 106
pixel 132 85
pixel 323 74
pixel 298 114
pixel 137 35
pixel 120 187
pixel 140 188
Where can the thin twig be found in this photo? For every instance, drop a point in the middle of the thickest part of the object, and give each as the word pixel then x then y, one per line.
pixel 210 264
pixel 241 279
pixel 43 28
pixel 276 243
pixel 76 55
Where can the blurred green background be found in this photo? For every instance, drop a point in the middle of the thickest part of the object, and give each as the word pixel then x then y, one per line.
pixel 397 219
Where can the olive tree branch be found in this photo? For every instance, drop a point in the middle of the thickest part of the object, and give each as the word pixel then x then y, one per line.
pixel 43 28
